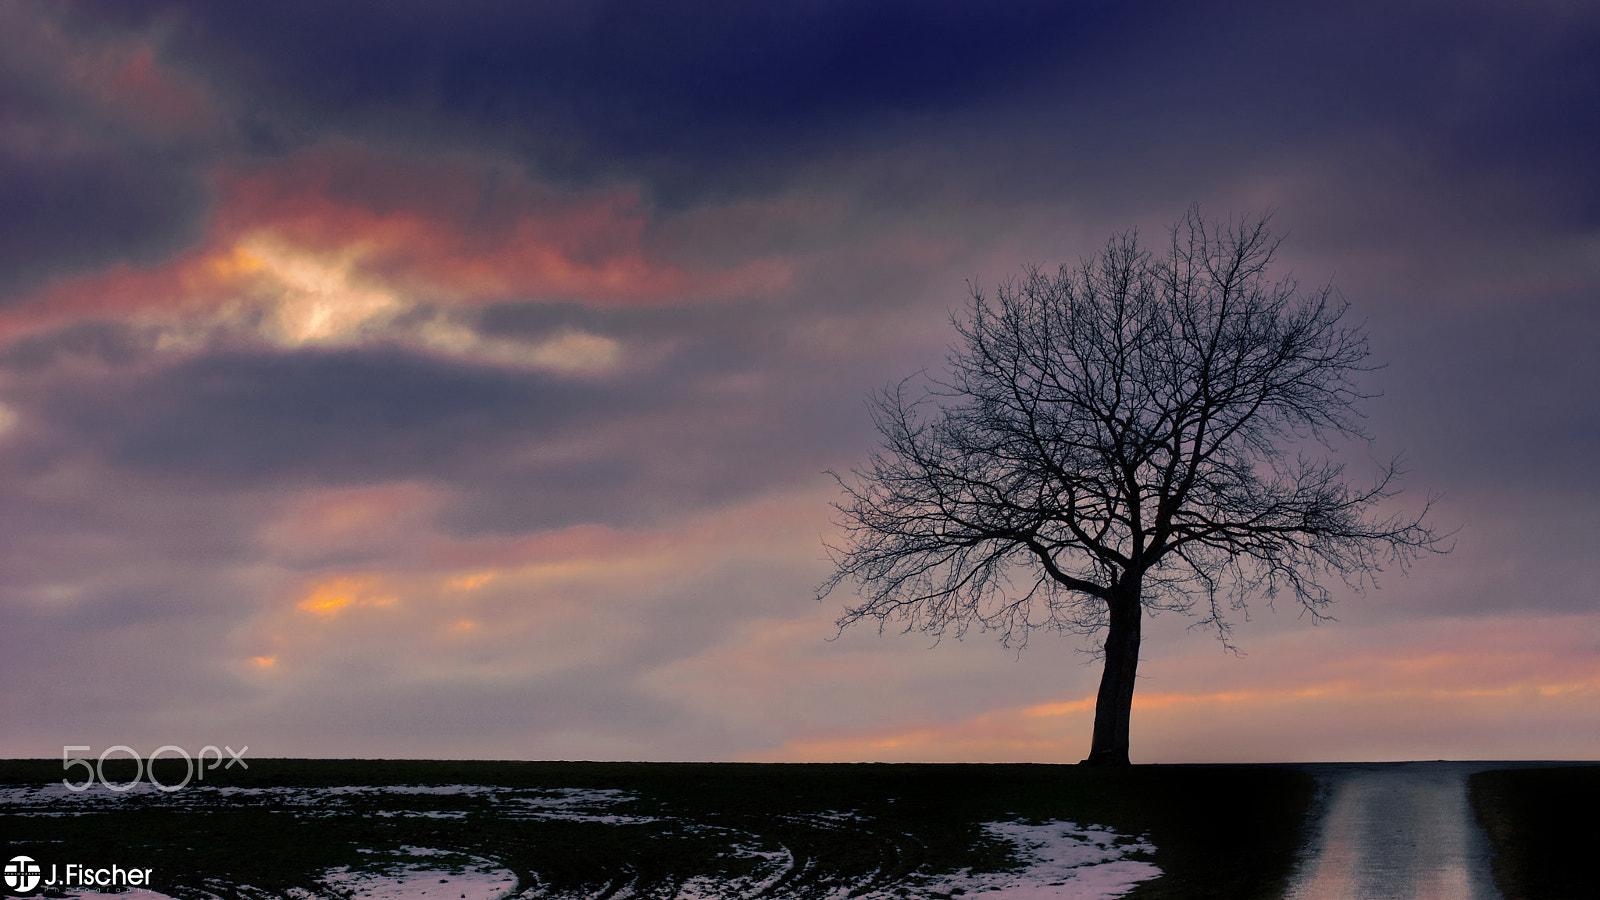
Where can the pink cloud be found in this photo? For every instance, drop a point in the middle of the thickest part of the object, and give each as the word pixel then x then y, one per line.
pixel 414 228
pixel 452 227
pixel 116 82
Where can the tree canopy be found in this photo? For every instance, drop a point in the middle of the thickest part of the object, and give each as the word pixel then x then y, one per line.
pixel 1141 431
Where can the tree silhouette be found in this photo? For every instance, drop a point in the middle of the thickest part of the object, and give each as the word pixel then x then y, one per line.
pixel 1131 434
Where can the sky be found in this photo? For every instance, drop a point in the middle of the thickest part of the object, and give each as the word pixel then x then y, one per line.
pixel 408 379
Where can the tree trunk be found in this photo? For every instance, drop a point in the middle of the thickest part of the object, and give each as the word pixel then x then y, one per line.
pixel 1114 705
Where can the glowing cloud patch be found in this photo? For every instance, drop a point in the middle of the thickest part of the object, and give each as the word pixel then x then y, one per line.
pixel 467 583
pixel 422 222
pixel 577 352
pixel 310 297
pixel 568 352
pixel 291 295
pixel 328 597
pixel 1059 709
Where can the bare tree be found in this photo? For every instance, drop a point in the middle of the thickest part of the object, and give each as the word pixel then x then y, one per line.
pixel 1127 435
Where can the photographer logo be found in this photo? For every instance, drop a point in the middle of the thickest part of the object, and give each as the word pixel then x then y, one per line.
pixel 22 874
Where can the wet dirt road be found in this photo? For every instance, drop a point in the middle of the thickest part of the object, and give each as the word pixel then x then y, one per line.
pixel 1396 830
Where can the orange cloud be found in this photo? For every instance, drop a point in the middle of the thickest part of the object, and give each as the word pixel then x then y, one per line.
pixel 1521 688
pixel 1305 724
pixel 471 581
pixel 489 607
pixel 330 596
pixel 1003 735
pixel 1069 707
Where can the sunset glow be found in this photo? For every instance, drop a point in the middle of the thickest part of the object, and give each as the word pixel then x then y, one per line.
pixel 489 368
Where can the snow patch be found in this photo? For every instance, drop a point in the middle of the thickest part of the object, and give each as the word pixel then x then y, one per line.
pixel 578 805
pixel 446 876
pixel 772 867
pixel 1060 860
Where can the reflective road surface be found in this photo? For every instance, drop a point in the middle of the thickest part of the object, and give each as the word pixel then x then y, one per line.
pixel 1396 830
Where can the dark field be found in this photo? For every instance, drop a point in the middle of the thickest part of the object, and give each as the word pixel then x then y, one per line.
pixel 332 828
pixel 1544 824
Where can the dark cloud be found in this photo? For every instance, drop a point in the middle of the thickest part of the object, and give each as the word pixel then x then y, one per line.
pixel 333 416
pixel 635 80
pixel 85 179
pixel 102 343
pixel 64 213
pixel 526 450
pixel 88 206
pixel 1018 101
pixel 1502 394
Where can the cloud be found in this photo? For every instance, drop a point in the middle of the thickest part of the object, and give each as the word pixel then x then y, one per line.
pixel 355 415
pixel 344 244
pixel 463 377
pixel 1417 697
pixel 546 634
pixel 466 225
pixel 592 88
pixel 97 142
